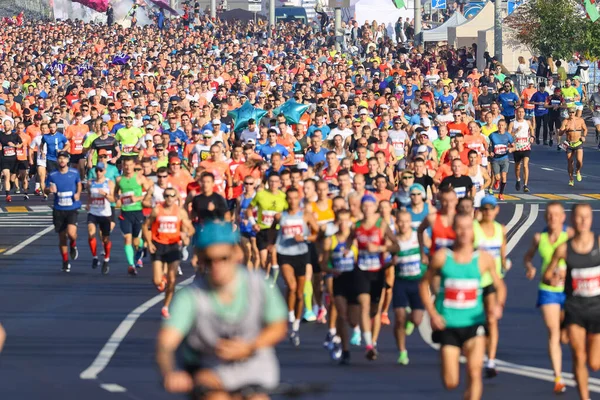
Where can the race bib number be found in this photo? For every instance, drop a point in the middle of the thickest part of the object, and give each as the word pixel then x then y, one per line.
pixel 454 132
pixel 564 145
pixel 268 217
pixel 167 227
pixel 78 145
pixel 461 293
pixel 128 149
pixel 127 198
pixel 500 149
pixel 522 144
pixel 9 151
pixel 441 243
pixel 98 201
pixel 409 266
pixel 369 261
pixel 20 152
pixel 586 281
pixel 65 199
pixel 290 231
pixel 298 158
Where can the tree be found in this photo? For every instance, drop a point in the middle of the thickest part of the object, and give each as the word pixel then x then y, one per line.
pixel 551 27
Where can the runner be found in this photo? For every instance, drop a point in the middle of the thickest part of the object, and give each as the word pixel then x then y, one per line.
pixel 582 289
pixel 76 133
pixel 522 133
pixel 458 315
pixel 100 196
pixel 595 106
pixel 128 192
pixel 296 228
pixel 442 234
pixel 479 176
pixel 248 235
pixel 22 178
pixel 37 159
pixel 551 299
pixel 65 183
pixel 501 144
pixel 575 130
pixel 490 236
pixel 408 307
pixel 10 141
pixel 167 226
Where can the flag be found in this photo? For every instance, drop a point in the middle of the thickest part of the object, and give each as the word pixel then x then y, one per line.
pixel 399 3
pixel 591 10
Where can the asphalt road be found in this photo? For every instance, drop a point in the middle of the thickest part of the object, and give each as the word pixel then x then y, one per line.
pixel 58 323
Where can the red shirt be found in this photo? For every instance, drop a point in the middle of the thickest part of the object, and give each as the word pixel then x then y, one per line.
pixel 360 169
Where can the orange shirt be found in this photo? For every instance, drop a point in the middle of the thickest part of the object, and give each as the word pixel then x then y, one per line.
pixel 76 135
pixel 445 170
pixel 243 171
pixel 23 152
pixel 383 195
pixel 180 182
pixel 478 143
pixel 220 170
pixel 166 229
pixel 33 131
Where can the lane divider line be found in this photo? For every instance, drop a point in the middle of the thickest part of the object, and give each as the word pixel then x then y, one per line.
pixel 28 241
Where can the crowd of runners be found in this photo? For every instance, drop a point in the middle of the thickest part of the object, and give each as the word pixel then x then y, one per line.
pixel 384 193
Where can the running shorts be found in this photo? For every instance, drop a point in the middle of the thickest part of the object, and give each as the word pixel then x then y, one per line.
pixel 520 155
pixel 131 222
pixel 573 146
pixel 74 159
pixel 343 285
pixel 248 235
pixel 314 258
pixel 51 166
pixel 489 289
pixel 586 316
pixel 114 214
pixel 547 297
pixel 369 282
pixel 10 164
pixel 102 222
pixel 265 238
pixel 596 121
pixel 457 336
pixel 529 113
pixel 166 253
pixel 500 165
pixel 297 262
pixel 22 165
pixel 406 294
pixel 63 218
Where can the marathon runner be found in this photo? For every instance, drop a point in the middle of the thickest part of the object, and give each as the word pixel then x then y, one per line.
pixel 248 235
pixel 442 234
pixel 581 278
pixel 501 144
pixel 37 160
pixel 22 178
pixel 10 141
pixel 458 314
pixel 479 177
pixel 551 299
pixel 52 143
pixel 167 226
pixel 595 106
pixel 65 184
pixel 100 214
pixel 575 130
pixel 523 135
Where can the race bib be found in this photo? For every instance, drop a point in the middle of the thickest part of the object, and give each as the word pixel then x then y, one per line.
pixel 65 199
pixel 500 149
pixel 298 158
pixel 522 144
pixel 78 145
pixel 441 243
pixel 564 145
pixel 410 265
pixel 586 281
pixel 128 149
pixel 98 201
pixel 461 293
pixel 369 261
pixel 9 151
pixel 167 227
pixel 290 231
pixel 20 152
pixel 127 198
pixel 268 217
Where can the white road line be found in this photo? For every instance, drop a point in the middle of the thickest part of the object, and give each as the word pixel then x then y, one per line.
pixel 526 196
pixel 547 169
pixel 110 348
pixel 542 371
pixel 515 218
pixel 113 387
pixel 28 241
pixel 575 197
pixel 533 214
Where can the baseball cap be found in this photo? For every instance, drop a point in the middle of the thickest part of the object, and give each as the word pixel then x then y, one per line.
pixel 426 122
pixel 416 187
pixel 147 137
pixel 102 152
pixel 489 201
pixel 303 166
pixel 207 133
pixel 149 126
pixel 250 141
pixel 154 103
pixel 368 198
pixel 64 154
pixel 363 112
pixel 101 166
pixel 216 122
pixel 214 233
pixel 126 104
pixel 530 82
pixel 174 160
pixel 196 132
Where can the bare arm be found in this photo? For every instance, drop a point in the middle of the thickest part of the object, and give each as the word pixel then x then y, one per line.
pixel 551 276
pixel 528 258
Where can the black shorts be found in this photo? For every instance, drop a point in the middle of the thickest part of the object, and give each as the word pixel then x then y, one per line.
pixel 166 253
pixel 114 214
pixel 51 166
pixel 520 155
pixel 313 256
pixel 489 289
pixel 265 238
pixel 63 218
pixel 457 336
pixel 584 316
pixel 343 285
pixel 370 282
pixel 10 164
pixel 103 223
pixel 406 294
pixel 297 262
pixel 22 165
pixel 74 159
pixel 131 222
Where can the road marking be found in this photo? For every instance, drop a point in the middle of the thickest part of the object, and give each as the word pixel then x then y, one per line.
pixel 515 218
pixel 28 241
pixel 547 169
pixel 110 348
pixel 113 387
pixel 553 196
pixel 16 209
pixel 526 197
pixel 544 374
pixel 508 197
pixel 40 208
pixel 576 197
pixel 593 196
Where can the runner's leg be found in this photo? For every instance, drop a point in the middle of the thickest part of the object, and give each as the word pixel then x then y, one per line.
pixel 551 314
pixel 474 350
pixel 526 171
pixel 579 160
pixel 450 356
pixel 492 327
pixel 171 281
pixel 570 164
pixel 577 338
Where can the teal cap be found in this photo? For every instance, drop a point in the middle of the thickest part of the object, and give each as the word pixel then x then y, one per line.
pixel 216 233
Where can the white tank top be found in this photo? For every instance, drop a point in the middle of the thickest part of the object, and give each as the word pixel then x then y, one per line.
pixel 158 196
pixel 478 180
pixel 521 134
pixel 99 205
pixel 398 141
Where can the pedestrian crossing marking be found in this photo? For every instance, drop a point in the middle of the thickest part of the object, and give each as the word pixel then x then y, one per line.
pixel 15 209
pixel 509 197
pixel 592 195
pixel 2 251
pixel 553 197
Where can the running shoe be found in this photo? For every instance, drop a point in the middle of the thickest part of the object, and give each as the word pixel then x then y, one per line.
pixel 179 271
pixel 371 353
pixel 139 263
pixel 38 192
pixel 45 198
pixel 496 185
pixel 578 176
pixel 185 254
pixel 74 253
pixel 132 271
pixel 345 360
pixel 25 197
pixel 571 182
pixel 328 341
pixel 409 328
pixel 518 186
pixel 295 339
pixel 322 316
pixel 491 372
pixel 559 386
pixel 537 141
pixel 491 191
pixel 500 197
pixel 551 143
pixel 17 191
pixel 335 350
pixel 105 267
pixel 94 263
pixel 309 316
pixel 385 319
pixel 355 340
pixel 66 266
pixel 525 188
pixel 165 313
pixel 163 284
pixel 403 358
pixel 8 198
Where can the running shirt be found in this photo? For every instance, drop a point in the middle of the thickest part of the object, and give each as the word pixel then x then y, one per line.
pixel 157 195
pixel 417 218
pixel 76 135
pixel 342 258
pixel 130 188
pixel 546 250
pixel 8 151
pixel 442 236
pixel 582 283
pixel 478 182
pixel 521 135
pixel 166 229
pixel 129 138
pixel 52 144
pixel 499 143
pixel 491 244
pixel 398 139
pixel 290 227
pixel 409 264
pixel 268 205
pixel 322 216
pixel 368 261
pixel 99 205
pixel 460 300
pixel 245 227
pixel 66 188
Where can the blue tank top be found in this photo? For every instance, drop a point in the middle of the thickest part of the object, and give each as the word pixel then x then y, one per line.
pixel 244 204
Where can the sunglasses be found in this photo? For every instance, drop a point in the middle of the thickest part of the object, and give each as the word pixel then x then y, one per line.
pixel 249 183
pixel 175 164
pixel 137 169
pixel 162 176
pixel 170 195
pixel 103 156
pixel 415 194
pixel 408 177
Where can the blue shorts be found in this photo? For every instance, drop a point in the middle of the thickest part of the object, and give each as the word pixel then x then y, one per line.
pixel 548 297
pixel 406 294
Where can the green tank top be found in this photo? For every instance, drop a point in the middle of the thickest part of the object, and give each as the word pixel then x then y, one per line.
pixel 409 265
pixel 546 251
pixel 130 188
pixel 460 300
pixel 492 245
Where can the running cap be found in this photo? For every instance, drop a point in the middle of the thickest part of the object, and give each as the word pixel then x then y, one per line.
pixel 207 133
pixel 250 141
pixel 214 233
pixel 530 82
pixel 416 187
pixel 64 154
pixel 489 201
pixel 147 137
pixel 174 160
pixel 102 152
pixel 303 166
pixel 368 198
pixel 216 122
pixel 101 166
